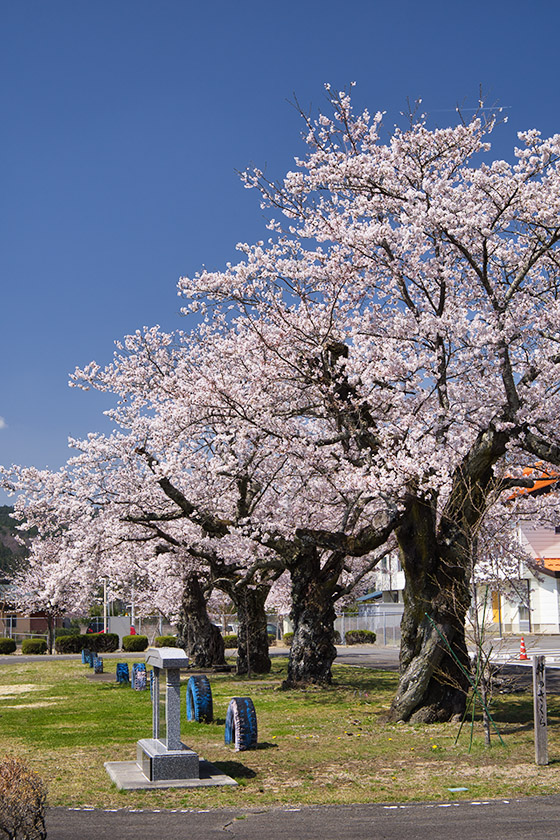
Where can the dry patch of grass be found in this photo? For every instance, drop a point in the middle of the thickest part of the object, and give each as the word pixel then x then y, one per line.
pixel 12 690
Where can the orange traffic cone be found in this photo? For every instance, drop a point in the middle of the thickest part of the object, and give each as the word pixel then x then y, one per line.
pixel 522 650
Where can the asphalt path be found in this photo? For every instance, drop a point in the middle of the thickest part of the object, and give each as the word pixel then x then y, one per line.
pixel 537 817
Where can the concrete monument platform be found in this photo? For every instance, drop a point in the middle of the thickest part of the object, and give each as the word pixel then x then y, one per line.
pixel 128 775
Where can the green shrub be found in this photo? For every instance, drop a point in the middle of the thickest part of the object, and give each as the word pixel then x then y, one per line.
pixel 66 631
pixel 7 645
pixel 100 642
pixel 287 639
pixel 337 639
pixel 230 640
pixel 271 639
pixel 360 637
pixel 166 641
pixel 135 643
pixel 34 646
pixel 69 644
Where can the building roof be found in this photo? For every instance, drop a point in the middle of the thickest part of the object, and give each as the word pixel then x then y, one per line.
pixel 545 479
pixel 370 596
pixel 544 546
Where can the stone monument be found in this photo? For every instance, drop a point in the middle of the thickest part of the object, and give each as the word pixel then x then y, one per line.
pixel 164 760
pixel 164 756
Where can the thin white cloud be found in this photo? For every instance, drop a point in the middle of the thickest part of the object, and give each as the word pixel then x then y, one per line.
pixel 3 424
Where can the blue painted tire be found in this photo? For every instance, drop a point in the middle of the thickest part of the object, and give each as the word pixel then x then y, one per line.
pixel 241 724
pixel 138 681
pixel 199 700
pixel 123 674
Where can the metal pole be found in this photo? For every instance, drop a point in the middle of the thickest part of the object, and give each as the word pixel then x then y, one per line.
pixel 104 605
pixel 132 619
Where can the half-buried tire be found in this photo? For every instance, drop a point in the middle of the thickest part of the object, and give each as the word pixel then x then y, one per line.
pixel 241 724
pixel 199 700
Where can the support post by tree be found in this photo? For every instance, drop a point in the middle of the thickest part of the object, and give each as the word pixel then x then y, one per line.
pixel 539 705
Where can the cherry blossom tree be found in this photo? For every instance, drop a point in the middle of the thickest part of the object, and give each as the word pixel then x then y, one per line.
pixel 231 458
pixel 408 301
pixel 54 581
pixel 80 524
pixel 361 377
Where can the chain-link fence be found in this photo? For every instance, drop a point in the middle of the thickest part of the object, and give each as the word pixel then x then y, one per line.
pixel 385 623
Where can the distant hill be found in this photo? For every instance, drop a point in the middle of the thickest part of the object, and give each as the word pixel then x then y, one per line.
pixel 12 552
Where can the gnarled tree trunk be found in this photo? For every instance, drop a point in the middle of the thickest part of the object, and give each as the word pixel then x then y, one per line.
pixel 252 636
pixel 432 686
pixel 313 615
pixel 201 640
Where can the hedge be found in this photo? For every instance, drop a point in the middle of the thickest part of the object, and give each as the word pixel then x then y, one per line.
pixel 66 631
pixel 34 646
pixel 360 637
pixel 100 642
pixel 135 643
pixel 96 642
pixel 165 641
pixel 287 638
pixel 7 645
pixel 230 640
pixel 69 644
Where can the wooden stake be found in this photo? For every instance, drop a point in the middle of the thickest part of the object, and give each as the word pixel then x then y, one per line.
pixel 539 706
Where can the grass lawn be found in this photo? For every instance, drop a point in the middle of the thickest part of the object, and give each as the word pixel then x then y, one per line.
pixel 319 746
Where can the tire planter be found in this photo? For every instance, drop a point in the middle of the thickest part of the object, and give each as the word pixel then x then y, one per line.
pixel 241 724
pixel 199 700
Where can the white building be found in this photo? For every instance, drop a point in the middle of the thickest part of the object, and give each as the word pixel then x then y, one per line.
pixel 531 604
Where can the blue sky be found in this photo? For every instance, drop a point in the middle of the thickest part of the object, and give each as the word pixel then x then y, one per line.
pixel 123 125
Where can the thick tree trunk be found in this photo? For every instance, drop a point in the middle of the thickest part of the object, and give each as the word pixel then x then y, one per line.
pixel 201 640
pixel 252 637
pixel 313 615
pixel 50 631
pixel 432 685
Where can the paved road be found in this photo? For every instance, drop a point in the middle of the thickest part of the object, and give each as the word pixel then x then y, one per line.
pixel 376 656
pixel 537 817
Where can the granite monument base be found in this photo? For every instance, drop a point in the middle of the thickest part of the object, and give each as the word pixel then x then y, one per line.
pixel 160 764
